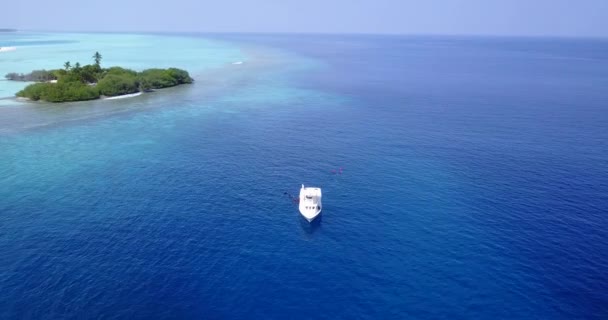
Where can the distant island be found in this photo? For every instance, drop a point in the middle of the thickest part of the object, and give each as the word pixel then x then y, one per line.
pixel 89 82
pixel 7 30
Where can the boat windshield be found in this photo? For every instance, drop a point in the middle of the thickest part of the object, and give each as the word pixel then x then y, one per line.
pixel 309 197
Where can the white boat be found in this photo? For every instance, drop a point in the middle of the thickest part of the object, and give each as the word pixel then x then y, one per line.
pixel 310 202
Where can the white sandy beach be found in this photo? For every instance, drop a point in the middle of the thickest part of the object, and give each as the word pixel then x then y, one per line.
pixel 6 49
pixel 124 96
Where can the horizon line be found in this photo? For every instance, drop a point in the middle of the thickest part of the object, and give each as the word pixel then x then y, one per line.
pixel 413 34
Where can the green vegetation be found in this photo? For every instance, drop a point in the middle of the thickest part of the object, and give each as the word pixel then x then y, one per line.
pixel 59 92
pixel 36 75
pixel 163 78
pixel 114 85
pixel 79 83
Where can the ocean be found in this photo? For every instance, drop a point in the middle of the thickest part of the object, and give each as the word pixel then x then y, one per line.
pixel 474 180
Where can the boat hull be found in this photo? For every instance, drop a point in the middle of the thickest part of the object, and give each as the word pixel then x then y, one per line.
pixel 310 216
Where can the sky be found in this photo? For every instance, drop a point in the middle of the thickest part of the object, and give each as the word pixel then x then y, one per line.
pixel 584 18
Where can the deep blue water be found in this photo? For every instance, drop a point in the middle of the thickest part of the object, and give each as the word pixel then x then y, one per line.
pixel 475 186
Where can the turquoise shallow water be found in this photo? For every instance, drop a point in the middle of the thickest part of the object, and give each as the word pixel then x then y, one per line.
pixel 474 183
pixel 136 51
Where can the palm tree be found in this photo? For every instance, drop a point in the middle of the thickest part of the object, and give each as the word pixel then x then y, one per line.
pixel 67 65
pixel 97 57
pixel 77 66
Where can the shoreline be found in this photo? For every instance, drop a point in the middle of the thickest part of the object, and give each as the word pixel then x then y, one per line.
pixel 123 96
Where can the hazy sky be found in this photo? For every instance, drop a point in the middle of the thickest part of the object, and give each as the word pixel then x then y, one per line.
pixel 499 17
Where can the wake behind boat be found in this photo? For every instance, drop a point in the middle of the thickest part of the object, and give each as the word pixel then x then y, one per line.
pixel 310 202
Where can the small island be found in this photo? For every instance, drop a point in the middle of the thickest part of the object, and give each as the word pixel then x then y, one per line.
pixel 89 82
